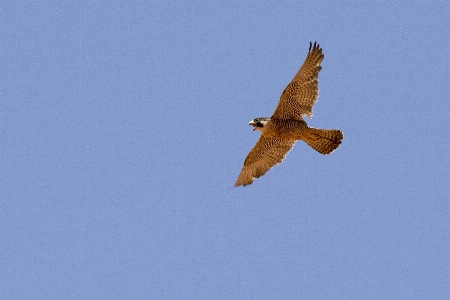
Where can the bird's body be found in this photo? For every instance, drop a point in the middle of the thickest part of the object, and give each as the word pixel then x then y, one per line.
pixel 286 126
pixel 284 129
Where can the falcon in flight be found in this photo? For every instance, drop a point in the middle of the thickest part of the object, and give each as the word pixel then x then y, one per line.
pixel 286 126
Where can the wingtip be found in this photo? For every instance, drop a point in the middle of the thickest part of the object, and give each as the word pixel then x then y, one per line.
pixel 238 182
pixel 242 181
pixel 312 47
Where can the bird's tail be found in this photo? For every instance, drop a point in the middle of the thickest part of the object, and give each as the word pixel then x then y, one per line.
pixel 324 141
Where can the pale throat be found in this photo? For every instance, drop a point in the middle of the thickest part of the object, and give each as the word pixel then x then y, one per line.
pixel 261 129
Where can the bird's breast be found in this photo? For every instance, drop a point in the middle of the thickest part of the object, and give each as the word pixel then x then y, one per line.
pixel 289 129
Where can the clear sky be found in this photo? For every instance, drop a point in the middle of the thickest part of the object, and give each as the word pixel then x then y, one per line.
pixel 123 128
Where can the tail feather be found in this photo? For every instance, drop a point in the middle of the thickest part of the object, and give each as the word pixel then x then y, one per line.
pixel 324 141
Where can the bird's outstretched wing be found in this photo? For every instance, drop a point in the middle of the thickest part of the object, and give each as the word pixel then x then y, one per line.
pixel 267 153
pixel 301 94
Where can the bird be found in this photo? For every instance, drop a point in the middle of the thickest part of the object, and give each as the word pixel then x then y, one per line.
pixel 286 126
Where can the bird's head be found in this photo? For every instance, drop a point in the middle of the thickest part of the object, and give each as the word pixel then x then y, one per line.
pixel 259 123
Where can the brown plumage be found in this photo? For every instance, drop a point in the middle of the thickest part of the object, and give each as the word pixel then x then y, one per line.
pixel 286 126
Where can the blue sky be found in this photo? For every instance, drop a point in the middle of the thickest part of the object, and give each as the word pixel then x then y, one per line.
pixel 125 125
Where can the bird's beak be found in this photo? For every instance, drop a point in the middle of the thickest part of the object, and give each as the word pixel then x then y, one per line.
pixel 252 122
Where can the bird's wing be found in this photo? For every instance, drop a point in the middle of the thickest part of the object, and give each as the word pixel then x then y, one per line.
pixel 301 94
pixel 267 153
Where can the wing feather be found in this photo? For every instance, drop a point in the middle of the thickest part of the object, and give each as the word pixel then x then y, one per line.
pixel 301 94
pixel 267 153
